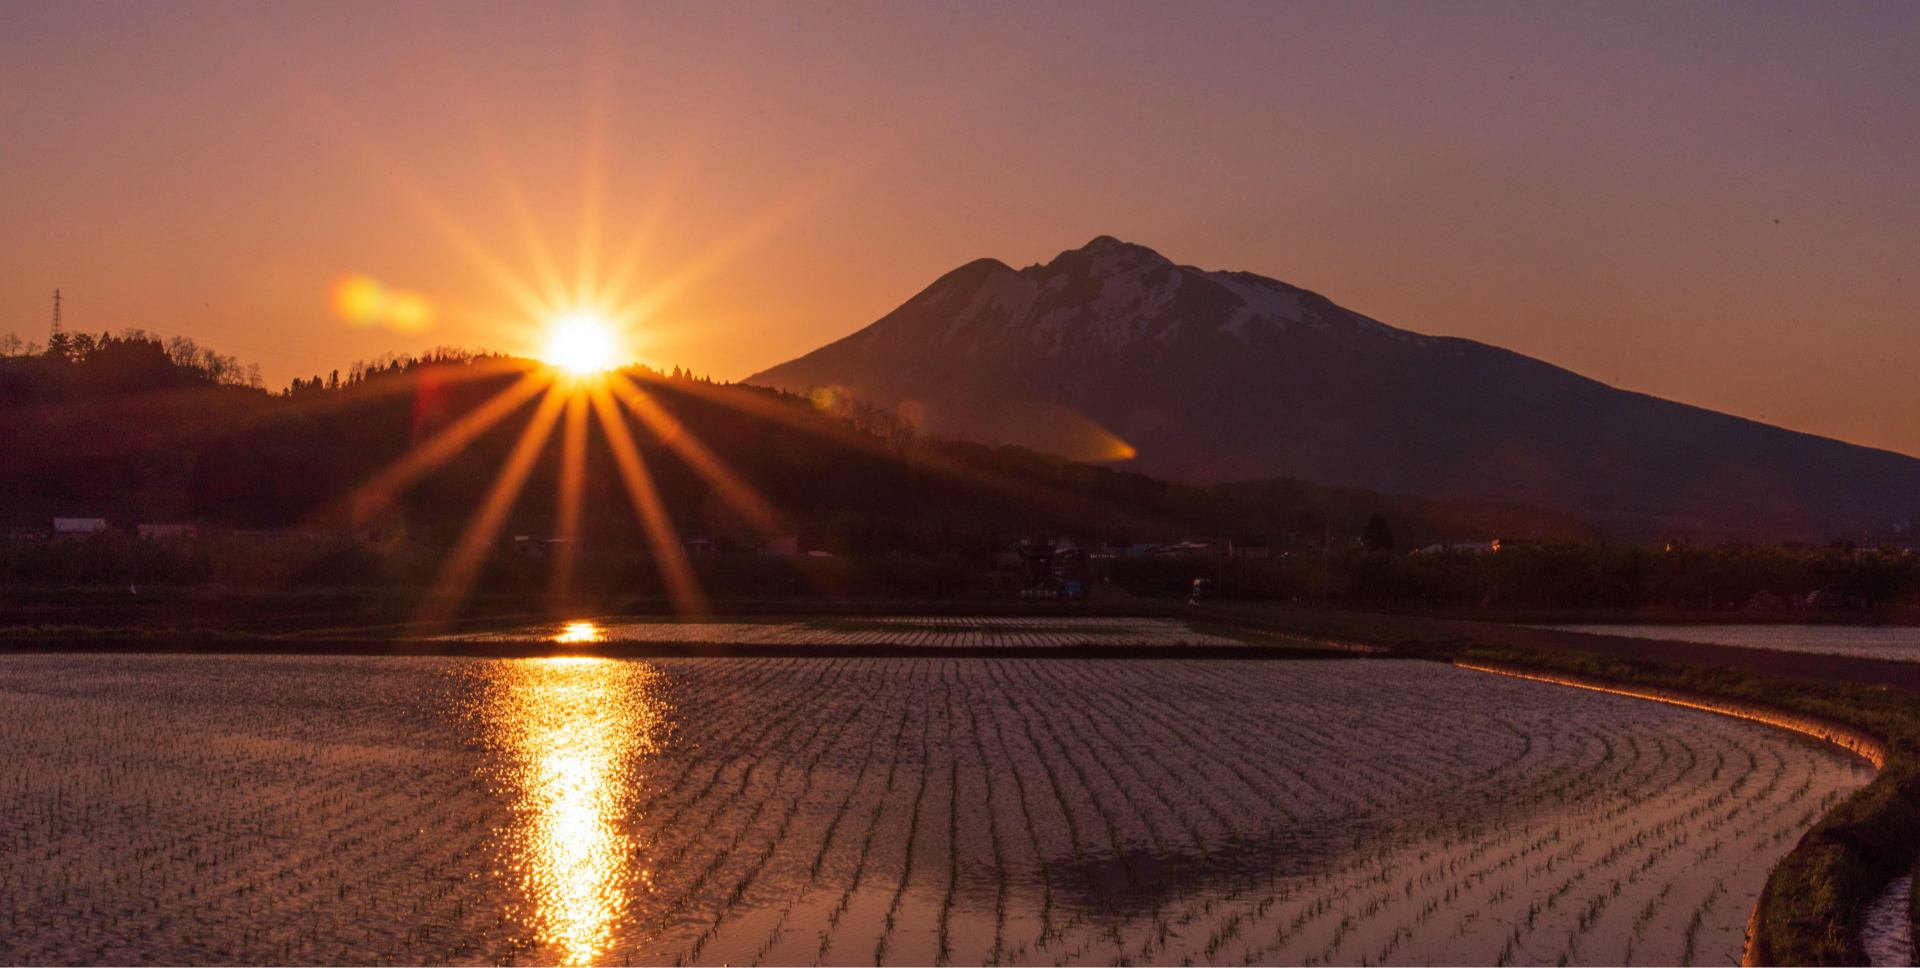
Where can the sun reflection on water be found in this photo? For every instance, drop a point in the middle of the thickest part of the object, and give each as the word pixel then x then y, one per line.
pixel 572 728
pixel 575 632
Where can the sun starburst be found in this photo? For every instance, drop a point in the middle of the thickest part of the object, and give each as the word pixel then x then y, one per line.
pixel 581 342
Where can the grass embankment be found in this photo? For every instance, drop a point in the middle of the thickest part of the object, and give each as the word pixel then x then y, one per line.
pixel 1809 913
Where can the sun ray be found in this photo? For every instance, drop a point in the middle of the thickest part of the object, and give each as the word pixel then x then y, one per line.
pixel 747 402
pixel 708 465
pixel 371 497
pixel 523 330
pixel 1054 499
pixel 486 136
pixel 462 82
pixel 597 114
pixel 573 479
pixel 531 240
pixel 731 246
pixel 678 168
pixel 671 556
pixel 383 166
pixel 144 410
pixel 801 197
pixel 470 550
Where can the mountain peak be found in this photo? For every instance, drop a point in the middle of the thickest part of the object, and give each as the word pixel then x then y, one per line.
pixel 1103 256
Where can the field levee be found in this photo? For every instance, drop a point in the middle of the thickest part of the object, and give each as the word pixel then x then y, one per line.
pixel 1870 747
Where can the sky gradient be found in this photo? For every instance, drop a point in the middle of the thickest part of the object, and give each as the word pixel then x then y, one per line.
pixel 1716 204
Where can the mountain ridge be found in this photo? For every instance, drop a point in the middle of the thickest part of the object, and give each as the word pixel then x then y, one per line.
pixel 1112 351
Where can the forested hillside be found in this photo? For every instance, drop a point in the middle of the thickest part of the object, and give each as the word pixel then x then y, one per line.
pixel 125 431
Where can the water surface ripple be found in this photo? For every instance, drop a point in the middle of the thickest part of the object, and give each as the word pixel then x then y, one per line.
pixel 248 809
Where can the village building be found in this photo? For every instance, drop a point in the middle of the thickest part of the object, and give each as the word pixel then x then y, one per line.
pixel 1184 549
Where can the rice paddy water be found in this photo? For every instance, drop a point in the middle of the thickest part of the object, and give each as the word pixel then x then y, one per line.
pixel 839 811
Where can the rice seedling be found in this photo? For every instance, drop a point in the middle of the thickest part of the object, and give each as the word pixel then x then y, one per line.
pixel 430 811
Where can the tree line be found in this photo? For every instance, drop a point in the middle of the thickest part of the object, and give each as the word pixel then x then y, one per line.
pixel 1560 574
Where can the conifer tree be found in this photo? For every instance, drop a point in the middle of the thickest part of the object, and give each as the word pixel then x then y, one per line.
pixel 1377 536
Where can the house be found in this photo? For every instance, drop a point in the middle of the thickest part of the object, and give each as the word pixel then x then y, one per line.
pixel 1185 549
pixel 168 530
pixel 1069 561
pixel 1035 556
pixel 1039 559
pixel 1247 546
pixel 79 525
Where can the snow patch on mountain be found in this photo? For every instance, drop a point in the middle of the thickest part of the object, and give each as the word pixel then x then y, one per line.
pixel 1276 304
pixel 1136 294
pixel 1006 297
pixel 1126 307
pixel 1236 324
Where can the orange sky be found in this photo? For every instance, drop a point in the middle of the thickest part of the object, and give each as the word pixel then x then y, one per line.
pixel 1715 204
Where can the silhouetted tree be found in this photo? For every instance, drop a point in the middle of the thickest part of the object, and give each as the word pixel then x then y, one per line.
pixel 1378 537
pixel 60 347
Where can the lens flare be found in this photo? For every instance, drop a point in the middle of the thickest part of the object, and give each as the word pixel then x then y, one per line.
pixel 580 343
pixel 362 300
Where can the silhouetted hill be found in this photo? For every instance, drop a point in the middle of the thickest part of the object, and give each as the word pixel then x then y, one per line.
pixel 170 443
pixel 1111 350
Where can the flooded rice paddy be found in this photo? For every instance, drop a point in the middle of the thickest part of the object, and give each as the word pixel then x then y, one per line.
pixel 1894 643
pixel 908 632
pixel 862 811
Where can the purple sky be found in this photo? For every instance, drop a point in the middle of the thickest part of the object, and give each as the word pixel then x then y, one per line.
pixel 1712 203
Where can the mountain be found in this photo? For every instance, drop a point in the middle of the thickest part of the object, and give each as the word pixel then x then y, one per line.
pixel 1113 352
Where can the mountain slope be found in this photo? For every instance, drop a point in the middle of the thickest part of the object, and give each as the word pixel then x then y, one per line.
pixel 1112 350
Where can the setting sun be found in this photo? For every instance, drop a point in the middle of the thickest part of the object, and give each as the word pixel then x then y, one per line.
pixel 580 343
